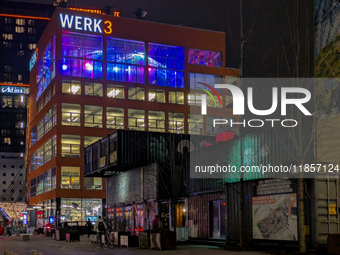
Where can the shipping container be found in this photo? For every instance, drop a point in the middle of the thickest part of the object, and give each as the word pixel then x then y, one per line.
pixel 268 147
pixel 203 221
pixel 126 149
pixel 325 209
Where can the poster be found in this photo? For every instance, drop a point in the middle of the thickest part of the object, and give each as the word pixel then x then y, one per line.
pixel 275 217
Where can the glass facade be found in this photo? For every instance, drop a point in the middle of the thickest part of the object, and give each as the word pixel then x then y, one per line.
pixel 136 93
pixel 71 87
pixel 80 53
pixel 157 95
pixel 136 119
pixel 176 122
pixel 156 121
pixel 70 177
pixel 93 116
pixel 126 60
pixel 46 68
pixel 204 57
pixel 115 118
pixel 70 114
pixel 70 145
pixel 165 65
pixel 80 210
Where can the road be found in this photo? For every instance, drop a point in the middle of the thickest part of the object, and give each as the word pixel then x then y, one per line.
pixel 48 246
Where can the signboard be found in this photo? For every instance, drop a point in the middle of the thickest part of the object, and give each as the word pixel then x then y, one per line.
pixel 14 90
pixel 34 59
pixel 275 217
pixel 86 24
pixel 332 209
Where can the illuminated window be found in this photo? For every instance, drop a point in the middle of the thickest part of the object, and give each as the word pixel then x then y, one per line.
pixel 213 102
pixel 115 91
pixel 47 151
pixel 136 119
pixel 33 161
pixel 130 55
pixel 195 124
pixel 70 114
pixel 93 116
pixel 176 97
pixel 40 184
pixel 86 47
pixel 47 181
pixel 176 122
pixel 8 21
pixel 125 51
pixel 125 73
pixel 196 80
pixel 163 58
pixel 33 135
pixel 40 128
pixel 54 146
pixel 19 77
pixel 115 118
pixel 6 44
pixel 46 67
pixel 211 130
pixel 40 156
pixel 156 121
pixel 157 95
pixel 93 89
pixel 19 30
pixel 7 101
pixel 7 36
pixel 228 102
pixel 20 101
pixel 33 188
pixel 32 46
pixel 20 53
pixel 30 22
pixel 70 177
pixel 136 93
pixel 31 30
pixel 54 178
pixel 47 96
pixel 40 105
pixel 204 57
pixel 71 87
pixel 70 145
pixel 48 120
pixel 194 99
pixel 7 140
pixel 88 140
pixel 93 183
pixel 20 22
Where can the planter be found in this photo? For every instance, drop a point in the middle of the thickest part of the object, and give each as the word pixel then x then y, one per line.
pixel 116 235
pixel 60 235
pixel 129 241
pixel 144 240
pixel 72 236
pixel 163 240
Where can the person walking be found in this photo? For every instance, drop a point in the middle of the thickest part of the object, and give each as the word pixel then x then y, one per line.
pixel 100 228
pixel 89 227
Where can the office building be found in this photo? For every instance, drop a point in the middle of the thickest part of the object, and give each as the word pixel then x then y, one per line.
pixel 93 74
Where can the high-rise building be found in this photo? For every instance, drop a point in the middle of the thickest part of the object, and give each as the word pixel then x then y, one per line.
pixel 92 74
pixel 21 25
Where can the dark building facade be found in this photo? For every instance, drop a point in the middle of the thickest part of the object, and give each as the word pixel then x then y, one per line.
pixel 21 26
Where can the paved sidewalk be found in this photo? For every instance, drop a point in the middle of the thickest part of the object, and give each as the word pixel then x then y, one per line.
pixel 48 246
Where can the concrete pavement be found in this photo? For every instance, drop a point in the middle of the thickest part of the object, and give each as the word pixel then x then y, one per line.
pixel 48 246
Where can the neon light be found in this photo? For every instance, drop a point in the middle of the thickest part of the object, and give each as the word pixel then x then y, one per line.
pixel 64 67
pixel 23 17
pixel 89 67
pixel 87 10
pixel 16 85
pixel 34 59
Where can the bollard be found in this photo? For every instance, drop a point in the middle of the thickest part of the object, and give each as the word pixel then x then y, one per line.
pixel 34 252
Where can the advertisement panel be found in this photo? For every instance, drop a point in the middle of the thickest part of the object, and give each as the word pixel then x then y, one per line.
pixel 275 217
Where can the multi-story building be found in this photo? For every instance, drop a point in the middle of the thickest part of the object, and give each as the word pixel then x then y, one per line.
pixel 93 74
pixel 21 26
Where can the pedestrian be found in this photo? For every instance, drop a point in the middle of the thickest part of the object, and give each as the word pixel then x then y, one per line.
pixel 100 228
pixel 89 227
pixel 156 222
